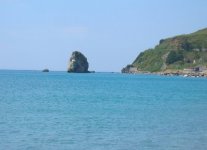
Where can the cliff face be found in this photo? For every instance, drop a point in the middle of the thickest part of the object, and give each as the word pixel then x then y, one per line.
pixel 78 63
pixel 129 69
pixel 176 53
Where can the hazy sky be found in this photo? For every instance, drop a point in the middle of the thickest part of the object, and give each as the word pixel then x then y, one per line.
pixel 38 34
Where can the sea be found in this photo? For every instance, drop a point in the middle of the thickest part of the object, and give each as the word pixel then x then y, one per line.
pixel 101 111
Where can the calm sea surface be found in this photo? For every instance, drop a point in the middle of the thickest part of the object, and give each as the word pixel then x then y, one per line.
pixel 101 111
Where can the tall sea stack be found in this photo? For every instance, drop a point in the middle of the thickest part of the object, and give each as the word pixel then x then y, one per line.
pixel 78 63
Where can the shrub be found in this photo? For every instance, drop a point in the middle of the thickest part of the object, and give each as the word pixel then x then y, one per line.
pixel 174 56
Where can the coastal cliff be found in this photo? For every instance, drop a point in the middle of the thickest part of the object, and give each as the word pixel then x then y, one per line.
pixel 78 63
pixel 184 54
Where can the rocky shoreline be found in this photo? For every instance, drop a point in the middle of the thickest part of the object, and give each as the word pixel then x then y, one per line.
pixel 195 74
pixel 199 71
pixel 182 73
pixel 173 74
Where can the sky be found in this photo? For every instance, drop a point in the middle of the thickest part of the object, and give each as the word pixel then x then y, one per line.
pixel 38 34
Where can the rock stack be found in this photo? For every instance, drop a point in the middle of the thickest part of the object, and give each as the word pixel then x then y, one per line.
pixel 78 63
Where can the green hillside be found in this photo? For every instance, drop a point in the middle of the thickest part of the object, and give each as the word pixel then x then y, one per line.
pixel 176 53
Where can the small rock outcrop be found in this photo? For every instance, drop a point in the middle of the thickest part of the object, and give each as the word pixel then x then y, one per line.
pixel 45 70
pixel 78 63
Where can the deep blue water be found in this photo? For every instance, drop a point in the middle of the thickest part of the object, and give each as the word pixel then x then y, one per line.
pixel 101 111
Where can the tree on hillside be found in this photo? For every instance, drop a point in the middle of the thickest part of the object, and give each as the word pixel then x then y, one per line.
pixel 174 56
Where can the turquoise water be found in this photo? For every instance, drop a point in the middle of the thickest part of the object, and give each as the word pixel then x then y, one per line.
pixel 101 111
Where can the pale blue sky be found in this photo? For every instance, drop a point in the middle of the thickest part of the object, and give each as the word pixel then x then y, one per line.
pixel 37 34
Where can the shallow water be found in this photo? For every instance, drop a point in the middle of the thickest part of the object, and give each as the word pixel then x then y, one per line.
pixel 101 111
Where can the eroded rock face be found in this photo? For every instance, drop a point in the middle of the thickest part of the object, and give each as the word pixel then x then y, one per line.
pixel 129 69
pixel 78 63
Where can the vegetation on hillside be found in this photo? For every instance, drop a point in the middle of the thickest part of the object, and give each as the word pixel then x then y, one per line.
pixel 179 52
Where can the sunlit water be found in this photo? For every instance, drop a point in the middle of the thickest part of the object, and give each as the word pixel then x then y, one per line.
pixel 101 111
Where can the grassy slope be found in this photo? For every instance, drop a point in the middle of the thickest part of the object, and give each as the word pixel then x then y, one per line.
pixel 193 48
